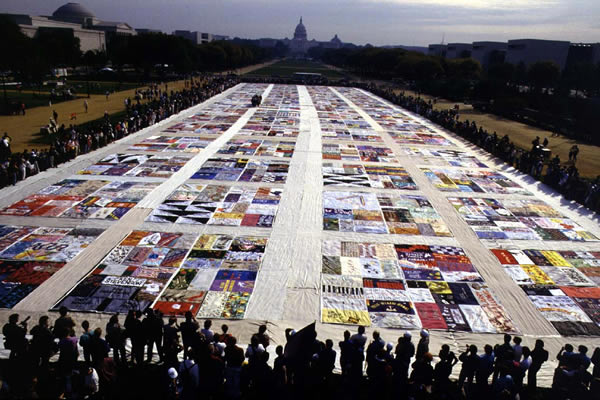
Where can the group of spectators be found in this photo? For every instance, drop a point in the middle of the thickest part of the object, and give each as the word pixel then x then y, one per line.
pixel 562 176
pixel 198 362
pixel 69 142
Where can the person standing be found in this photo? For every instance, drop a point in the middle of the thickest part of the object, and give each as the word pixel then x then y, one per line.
pixel 207 332
pixel 189 329
pixel 405 350
pixel 85 105
pixel 64 324
pixel 14 336
pixel 470 363
pixel 538 357
pixel 115 336
pixel 42 342
pixel 486 368
pixel 423 345
pixel 137 337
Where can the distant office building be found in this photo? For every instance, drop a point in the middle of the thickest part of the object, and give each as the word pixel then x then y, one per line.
pixel 220 37
pixel 583 53
pixel 529 51
pixel 199 37
pixel 438 50
pixel 489 53
pixel 459 50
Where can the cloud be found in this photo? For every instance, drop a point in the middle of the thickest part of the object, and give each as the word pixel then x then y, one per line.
pixel 476 4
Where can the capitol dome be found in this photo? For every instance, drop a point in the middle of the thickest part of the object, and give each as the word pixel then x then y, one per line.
pixel 72 12
pixel 300 32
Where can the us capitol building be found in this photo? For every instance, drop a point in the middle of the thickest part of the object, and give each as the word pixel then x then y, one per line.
pixel 300 44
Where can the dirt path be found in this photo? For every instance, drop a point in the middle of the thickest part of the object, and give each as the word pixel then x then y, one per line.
pixel 250 68
pixel 25 128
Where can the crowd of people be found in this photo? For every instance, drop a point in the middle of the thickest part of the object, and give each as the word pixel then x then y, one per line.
pixel 562 175
pixel 70 141
pixel 194 361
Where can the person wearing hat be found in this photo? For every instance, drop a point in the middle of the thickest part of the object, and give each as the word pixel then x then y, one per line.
pixel 172 389
pixel 423 345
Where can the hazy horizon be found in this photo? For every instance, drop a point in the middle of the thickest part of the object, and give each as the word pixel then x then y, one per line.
pixel 379 22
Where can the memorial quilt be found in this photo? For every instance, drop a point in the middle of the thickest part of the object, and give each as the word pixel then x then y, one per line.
pixel 408 287
pixel 375 176
pixel 517 220
pixel 563 285
pixel 219 205
pixel 381 213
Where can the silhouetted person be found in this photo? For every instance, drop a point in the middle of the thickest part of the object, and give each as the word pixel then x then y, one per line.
pixel 504 356
pixel 42 342
pixel 84 341
pixel 423 345
pixel 263 337
pixel 443 369
pixel 14 336
pixel 485 368
pixel 405 350
pixel 98 347
pixel 115 336
pixel 138 338
pixel 538 357
pixel 470 362
pixel 346 350
pixel 64 324
pixel 189 329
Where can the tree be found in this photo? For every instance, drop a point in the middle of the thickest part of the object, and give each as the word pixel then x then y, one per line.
pixel 60 46
pixel 502 73
pixel 543 75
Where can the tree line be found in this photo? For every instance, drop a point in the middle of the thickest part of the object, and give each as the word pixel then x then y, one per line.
pixel 31 59
pixel 563 100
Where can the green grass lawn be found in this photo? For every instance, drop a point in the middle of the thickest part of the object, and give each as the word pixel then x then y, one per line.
pixel 31 99
pixel 287 68
pixel 81 87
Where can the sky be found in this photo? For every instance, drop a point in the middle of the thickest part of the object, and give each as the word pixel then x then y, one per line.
pixel 378 22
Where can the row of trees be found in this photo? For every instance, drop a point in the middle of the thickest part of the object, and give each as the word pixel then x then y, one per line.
pixel 31 59
pixel 541 92
pixel 543 76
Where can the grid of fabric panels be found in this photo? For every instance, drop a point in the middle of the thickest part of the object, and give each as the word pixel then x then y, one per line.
pixel 136 165
pixel 517 220
pixel 31 255
pixel 381 213
pixel 77 198
pixel 219 205
pixel 258 147
pixel 563 285
pixel 243 170
pixel 374 176
pixel 407 286
pixel 479 181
